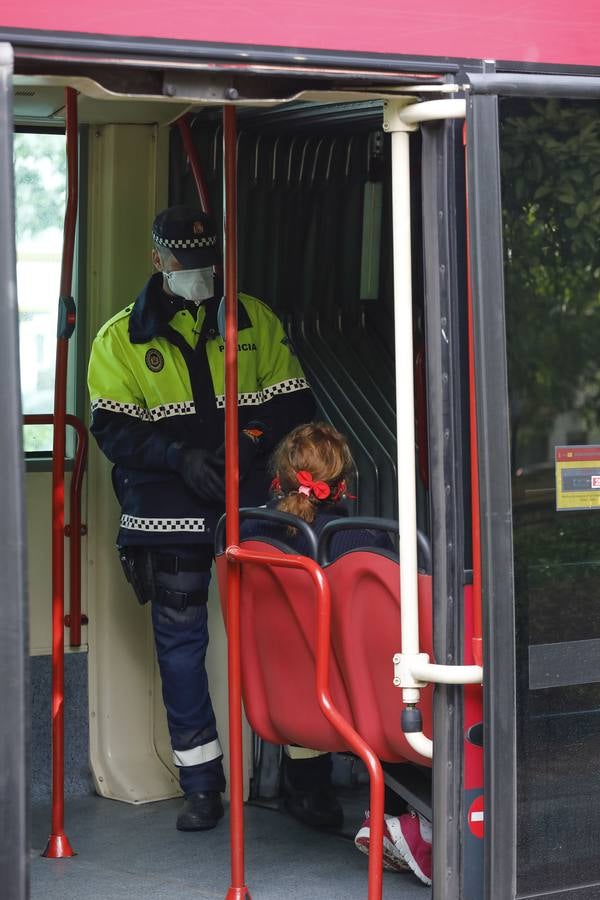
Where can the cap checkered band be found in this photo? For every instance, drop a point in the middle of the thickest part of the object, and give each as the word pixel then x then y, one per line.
pixel 135 523
pixel 154 414
pixel 209 240
pixel 255 398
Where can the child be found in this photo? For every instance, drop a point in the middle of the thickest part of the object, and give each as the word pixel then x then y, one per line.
pixel 312 466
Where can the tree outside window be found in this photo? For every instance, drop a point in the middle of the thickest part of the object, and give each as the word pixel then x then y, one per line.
pixel 40 191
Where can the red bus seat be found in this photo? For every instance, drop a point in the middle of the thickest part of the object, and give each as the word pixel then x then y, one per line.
pixel 365 626
pixel 278 640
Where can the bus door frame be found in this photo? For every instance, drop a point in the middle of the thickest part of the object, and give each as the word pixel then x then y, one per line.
pixel 457 865
pixel 493 433
pixel 491 388
pixel 14 654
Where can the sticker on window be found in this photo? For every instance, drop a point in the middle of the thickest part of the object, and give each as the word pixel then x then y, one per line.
pixel 577 471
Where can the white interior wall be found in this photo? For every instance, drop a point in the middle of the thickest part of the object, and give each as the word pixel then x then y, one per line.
pixel 129 745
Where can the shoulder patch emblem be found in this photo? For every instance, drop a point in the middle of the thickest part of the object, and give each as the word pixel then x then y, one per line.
pixel 154 360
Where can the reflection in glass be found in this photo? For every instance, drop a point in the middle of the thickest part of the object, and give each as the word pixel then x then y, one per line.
pixel 550 161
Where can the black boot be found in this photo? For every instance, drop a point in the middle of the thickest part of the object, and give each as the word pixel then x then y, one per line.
pixel 318 808
pixel 309 795
pixel 200 812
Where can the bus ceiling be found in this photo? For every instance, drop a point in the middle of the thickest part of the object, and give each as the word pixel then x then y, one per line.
pixel 138 96
pixel 159 89
pixel 39 99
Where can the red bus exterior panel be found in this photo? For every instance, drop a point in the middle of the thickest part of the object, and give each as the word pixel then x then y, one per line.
pixel 542 31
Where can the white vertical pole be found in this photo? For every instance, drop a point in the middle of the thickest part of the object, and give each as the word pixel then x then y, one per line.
pixel 401 117
pixel 405 411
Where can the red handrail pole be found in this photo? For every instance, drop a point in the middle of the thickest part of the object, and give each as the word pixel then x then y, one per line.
pixel 358 745
pixel 188 145
pixel 376 785
pixel 197 172
pixel 58 843
pixel 237 889
pixel 477 640
pixel 74 529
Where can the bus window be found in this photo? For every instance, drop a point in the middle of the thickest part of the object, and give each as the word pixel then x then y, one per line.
pixel 40 181
pixel 550 180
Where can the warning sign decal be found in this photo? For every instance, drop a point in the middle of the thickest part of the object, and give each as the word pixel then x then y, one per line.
pixel 476 816
pixel 577 471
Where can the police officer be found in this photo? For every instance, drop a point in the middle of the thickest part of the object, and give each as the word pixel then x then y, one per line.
pixel 156 381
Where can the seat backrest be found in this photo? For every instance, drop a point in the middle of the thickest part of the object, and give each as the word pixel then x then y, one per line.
pixel 365 596
pixel 278 641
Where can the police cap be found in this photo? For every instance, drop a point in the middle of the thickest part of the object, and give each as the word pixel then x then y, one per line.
pixel 189 234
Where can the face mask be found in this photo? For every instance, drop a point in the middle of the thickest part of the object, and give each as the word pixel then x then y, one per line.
pixel 191 284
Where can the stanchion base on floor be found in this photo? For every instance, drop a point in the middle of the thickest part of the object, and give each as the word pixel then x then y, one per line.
pixel 238 894
pixel 58 847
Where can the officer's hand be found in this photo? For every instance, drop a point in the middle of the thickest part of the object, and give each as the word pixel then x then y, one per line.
pixel 202 471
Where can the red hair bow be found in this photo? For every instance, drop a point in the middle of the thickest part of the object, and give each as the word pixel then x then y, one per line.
pixel 308 486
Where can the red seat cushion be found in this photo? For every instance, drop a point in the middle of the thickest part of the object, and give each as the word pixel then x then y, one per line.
pixel 278 636
pixel 365 591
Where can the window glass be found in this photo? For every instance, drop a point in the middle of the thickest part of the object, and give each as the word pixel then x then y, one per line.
pixel 40 190
pixel 551 202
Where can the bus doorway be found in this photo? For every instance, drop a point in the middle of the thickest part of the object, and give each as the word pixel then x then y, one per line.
pixel 315 182
pixel 536 264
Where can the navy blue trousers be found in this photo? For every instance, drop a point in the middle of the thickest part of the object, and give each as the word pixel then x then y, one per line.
pixel 181 639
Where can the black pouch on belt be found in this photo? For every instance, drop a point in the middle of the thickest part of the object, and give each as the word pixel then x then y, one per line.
pixel 139 572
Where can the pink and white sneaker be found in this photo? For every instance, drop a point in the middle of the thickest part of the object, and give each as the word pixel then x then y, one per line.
pixel 412 840
pixel 392 860
pixel 406 844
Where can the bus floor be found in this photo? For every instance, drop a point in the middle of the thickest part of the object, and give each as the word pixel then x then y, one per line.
pixel 127 852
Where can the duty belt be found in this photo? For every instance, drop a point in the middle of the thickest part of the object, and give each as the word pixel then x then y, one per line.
pixel 172 564
pixel 179 600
